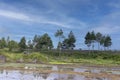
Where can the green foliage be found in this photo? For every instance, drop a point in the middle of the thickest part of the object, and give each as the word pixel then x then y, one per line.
pixel 93 39
pixel 3 43
pixel 107 41
pixel 60 35
pixel 69 43
pixel 7 40
pixel 43 42
pixel 30 44
pixel 88 39
pixel 59 45
pixel 35 40
pixel 71 40
pixel 46 41
pixel 102 40
pixel 98 57
pixel 12 45
pixel 98 39
pixel 17 57
pixel 65 44
pixel 22 44
pixel 93 36
pixel 38 57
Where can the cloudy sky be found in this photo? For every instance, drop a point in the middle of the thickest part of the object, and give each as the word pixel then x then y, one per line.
pixel 20 18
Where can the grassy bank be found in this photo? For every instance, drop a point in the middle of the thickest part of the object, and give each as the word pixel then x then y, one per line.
pixel 49 57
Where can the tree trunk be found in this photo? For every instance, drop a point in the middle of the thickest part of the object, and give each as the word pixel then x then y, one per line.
pixel 89 49
pixel 93 47
pixel 98 46
pixel 60 47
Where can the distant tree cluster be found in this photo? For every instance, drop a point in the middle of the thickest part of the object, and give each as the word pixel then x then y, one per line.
pixel 44 42
pixel 67 43
pixel 22 44
pixel 102 40
pixel 7 43
pixel 3 43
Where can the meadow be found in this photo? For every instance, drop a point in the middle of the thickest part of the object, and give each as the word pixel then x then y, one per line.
pixel 105 58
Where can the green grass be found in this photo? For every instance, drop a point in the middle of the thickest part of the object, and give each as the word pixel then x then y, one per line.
pixel 97 58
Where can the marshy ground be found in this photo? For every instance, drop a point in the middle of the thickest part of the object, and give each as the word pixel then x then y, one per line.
pixel 17 71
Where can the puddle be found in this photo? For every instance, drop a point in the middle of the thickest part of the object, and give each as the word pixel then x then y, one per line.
pixel 81 73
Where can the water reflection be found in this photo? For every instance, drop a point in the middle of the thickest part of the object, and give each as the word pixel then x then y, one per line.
pixel 34 75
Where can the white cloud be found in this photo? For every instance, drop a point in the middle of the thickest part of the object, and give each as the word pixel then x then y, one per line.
pixel 61 21
pixel 109 23
pixel 106 29
pixel 57 23
pixel 53 14
pixel 14 15
pixel 24 17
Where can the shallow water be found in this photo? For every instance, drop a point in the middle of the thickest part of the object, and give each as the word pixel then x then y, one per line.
pixel 61 73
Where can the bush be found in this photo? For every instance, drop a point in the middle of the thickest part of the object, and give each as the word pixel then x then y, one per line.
pixel 35 56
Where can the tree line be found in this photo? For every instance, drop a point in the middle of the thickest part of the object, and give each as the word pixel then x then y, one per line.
pixel 44 42
pixel 102 40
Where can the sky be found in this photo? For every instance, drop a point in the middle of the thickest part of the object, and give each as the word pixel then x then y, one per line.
pixel 20 18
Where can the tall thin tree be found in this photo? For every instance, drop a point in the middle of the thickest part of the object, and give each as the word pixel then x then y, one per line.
pixel 93 38
pixel 88 40
pixel 98 39
pixel 71 40
pixel 60 35
pixel 107 42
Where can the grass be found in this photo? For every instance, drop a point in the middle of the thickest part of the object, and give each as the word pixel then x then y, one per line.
pixel 103 58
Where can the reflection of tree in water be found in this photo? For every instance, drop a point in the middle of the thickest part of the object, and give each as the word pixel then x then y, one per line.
pixel 21 72
pixel 35 75
pixel 96 78
pixel 1 71
pixel 71 77
pixel 41 75
pixel 6 72
pixel 79 77
pixel 44 75
pixel 63 76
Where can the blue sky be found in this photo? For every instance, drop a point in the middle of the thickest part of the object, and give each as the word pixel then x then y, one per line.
pixel 20 18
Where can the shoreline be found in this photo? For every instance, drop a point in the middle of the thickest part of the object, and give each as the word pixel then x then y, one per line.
pixel 65 65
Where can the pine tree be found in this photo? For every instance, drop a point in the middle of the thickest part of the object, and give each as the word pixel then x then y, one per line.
pixel 22 44
pixel 71 40
pixel 107 42
pixel 93 38
pixel 60 35
pixel 98 39
pixel 88 40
